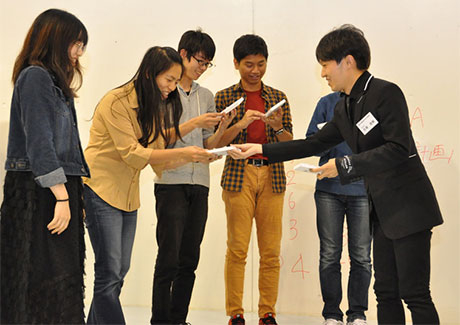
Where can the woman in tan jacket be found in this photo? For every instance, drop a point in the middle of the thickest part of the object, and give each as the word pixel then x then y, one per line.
pixel 131 128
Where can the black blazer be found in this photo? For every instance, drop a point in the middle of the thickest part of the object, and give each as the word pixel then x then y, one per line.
pixel 386 157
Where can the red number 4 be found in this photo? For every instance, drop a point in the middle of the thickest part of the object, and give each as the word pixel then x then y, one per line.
pixel 298 267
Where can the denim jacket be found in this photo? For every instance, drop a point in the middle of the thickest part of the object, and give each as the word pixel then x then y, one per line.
pixel 43 136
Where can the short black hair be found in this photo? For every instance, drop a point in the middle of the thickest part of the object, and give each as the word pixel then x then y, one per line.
pixel 195 41
pixel 343 41
pixel 249 44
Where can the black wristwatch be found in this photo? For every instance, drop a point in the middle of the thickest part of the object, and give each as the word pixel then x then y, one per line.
pixel 278 132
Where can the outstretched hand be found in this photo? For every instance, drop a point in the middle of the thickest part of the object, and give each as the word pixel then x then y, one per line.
pixel 245 150
pixel 197 154
pixel 328 170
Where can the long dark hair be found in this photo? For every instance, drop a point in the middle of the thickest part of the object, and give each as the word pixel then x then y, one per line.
pixel 154 115
pixel 47 45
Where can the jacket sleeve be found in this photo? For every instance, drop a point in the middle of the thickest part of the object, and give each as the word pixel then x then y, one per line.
pixel 324 139
pixel 287 118
pixel 38 104
pixel 120 127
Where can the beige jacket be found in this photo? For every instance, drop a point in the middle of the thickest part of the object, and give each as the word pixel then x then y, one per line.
pixel 114 154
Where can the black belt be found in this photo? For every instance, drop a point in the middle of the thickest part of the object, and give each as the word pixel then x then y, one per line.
pixel 258 162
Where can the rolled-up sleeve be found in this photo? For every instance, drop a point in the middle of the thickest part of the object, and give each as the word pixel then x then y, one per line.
pixel 287 118
pixel 37 100
pixel 55 177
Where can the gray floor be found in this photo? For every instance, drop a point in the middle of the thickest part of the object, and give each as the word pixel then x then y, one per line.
pixel 141 315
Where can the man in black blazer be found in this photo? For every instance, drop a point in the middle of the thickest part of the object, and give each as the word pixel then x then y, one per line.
pixel 372 117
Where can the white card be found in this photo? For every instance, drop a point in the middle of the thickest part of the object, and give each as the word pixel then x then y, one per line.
pixel 305 167
pixel 275 107
pixel 223 151
pixel 367 123
pixel 232 106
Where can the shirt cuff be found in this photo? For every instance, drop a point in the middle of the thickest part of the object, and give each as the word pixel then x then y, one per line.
pixel 53 178
pixel 346 170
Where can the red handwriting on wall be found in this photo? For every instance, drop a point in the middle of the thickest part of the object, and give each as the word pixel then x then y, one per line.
pixel 298 267
pixel 417 117
pixel 295 266
pixel 438 151
pixel 294 232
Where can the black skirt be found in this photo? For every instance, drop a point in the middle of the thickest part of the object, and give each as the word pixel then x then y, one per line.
pixel 41 273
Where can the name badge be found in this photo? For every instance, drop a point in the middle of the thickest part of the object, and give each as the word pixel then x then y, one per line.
pixel 367 123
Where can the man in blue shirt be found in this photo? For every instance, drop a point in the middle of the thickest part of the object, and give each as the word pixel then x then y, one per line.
pixel 333 202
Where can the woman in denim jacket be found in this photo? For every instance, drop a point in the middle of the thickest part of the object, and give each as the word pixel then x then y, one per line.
pixel 42 244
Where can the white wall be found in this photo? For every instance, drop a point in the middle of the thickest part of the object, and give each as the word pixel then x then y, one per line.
pixel 415 44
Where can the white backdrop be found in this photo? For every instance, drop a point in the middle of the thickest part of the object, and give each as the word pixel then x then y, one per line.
pixel 414 44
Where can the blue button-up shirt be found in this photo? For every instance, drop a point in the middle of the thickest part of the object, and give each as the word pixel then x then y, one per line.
pixel 323 113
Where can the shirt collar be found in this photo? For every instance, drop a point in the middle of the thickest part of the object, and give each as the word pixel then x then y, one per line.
pixel 239 88
pixel 360 84
pixel 193 88
pixel 131 95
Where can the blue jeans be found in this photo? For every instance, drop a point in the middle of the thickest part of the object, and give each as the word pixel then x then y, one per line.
pixel 112 235
pixel 331 210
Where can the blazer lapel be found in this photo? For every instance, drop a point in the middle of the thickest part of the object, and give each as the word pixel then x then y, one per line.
pixel 346 126
pixel 358 115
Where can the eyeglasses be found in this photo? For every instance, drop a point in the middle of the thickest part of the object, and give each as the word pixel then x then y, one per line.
pixel 203 63
pixel 81 46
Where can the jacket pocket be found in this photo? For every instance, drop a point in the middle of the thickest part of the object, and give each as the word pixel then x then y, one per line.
pixel 62 104
pixel 62 130
pixel 407 173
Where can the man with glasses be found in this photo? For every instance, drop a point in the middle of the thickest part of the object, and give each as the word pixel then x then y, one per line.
pixel 203 63
pixel 182 194
pixel 253 188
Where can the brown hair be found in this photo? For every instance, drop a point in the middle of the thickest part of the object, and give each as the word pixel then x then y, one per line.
pixel 47 45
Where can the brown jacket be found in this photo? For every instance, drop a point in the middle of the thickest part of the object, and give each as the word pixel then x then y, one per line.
pixel 114 154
